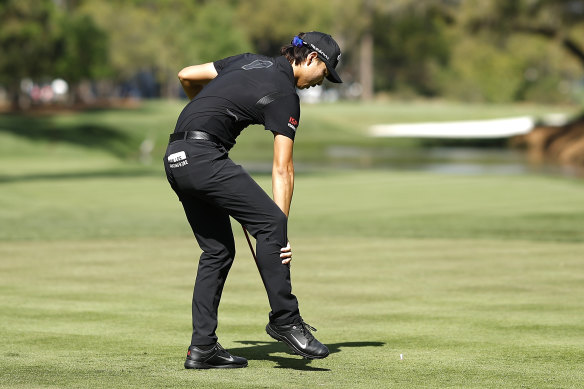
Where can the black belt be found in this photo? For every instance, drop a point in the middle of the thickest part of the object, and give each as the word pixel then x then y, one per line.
pixel 201 135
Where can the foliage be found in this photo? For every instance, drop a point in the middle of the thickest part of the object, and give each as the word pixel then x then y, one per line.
pixel 215 33
pixel 272 24
pixel 480 71
pixel 40 42
pixel 81 51
pixel 162 37
pixel 493 51
pixel 136 40
pixel 525 23
pixel 27 39
pixel 409 54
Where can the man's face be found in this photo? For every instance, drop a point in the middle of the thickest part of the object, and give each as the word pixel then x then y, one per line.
pixel 313 73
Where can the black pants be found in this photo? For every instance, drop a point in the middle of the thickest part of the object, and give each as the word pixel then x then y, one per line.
pixel 211 188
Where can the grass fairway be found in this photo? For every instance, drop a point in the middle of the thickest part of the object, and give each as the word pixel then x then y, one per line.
pixel 476 281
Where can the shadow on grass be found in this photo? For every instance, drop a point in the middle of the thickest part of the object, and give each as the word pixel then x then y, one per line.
pixel 264 350
pixel 44 129
pixel 113 173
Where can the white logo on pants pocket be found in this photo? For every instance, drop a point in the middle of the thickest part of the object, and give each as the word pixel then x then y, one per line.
pixel 178 159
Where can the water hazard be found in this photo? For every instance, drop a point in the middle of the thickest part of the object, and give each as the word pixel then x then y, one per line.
pixel 446 160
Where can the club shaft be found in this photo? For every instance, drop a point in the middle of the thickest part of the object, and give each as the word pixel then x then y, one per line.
pixel 250 245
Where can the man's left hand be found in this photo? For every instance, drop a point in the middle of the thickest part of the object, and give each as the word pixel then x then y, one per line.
pixel 286 254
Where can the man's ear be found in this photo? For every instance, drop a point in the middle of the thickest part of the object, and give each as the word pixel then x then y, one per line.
pixel 311 57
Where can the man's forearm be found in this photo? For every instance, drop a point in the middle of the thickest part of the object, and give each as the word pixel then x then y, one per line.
pixel 194 78
pixel 283 187
pixel 191 89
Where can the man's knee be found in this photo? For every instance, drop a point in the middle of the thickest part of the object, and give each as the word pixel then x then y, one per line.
pixel 220 252
pixel 272 226
pixel 280 219
pixel 279 225
pixel 276 220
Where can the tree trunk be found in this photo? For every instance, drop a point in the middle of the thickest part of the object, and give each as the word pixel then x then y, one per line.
pixel 366 66
pixel 18 100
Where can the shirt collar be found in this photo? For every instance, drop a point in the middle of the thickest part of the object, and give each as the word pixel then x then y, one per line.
pixel 285 67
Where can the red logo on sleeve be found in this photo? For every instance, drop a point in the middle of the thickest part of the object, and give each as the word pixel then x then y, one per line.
pixel 292 123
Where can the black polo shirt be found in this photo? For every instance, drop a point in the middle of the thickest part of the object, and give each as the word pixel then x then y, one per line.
pixel 249 89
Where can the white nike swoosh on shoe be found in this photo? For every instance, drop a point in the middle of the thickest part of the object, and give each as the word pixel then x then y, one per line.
pixel 299 342
pixel 230 359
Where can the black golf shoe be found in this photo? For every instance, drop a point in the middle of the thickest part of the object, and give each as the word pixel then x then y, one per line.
pixel 216 358
pixel 299 339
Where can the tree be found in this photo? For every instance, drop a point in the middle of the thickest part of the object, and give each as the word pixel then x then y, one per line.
pixel 562 23
pixel 81 50
pixel 391 41
pixel 272 24
pixel 27 43
pixel 161 37
pixel 410 53
pixel 217 32
pixel 40 41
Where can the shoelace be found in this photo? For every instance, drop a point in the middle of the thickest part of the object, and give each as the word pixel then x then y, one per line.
pixel 306 328
pixel 222 351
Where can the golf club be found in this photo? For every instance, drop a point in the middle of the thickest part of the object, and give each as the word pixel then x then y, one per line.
pixel 249 243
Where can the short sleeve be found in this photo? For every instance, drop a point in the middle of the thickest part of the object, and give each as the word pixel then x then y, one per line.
pixel 222 63
pixel 283 115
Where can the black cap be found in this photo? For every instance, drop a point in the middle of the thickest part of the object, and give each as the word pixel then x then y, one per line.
pixel 327 49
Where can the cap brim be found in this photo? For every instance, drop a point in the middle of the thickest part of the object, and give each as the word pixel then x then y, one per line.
pixel 332 74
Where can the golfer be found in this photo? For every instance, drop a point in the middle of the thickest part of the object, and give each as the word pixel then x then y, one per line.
pixel 227 96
